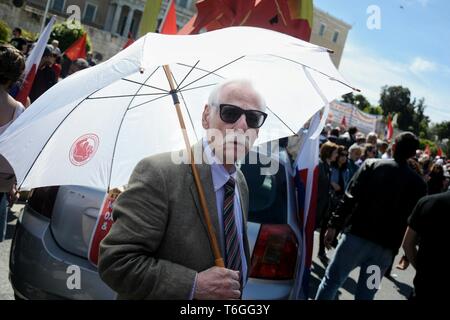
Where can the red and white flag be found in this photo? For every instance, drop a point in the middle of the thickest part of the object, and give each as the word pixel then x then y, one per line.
pixel 389 133
pixel 306 179
pixel 169 23
pixel 33 61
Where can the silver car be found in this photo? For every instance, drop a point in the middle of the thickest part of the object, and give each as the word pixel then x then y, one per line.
pixel 50 248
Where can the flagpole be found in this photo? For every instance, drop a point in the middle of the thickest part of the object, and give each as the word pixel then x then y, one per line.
pixel 212 236
pixel 47 7
pixel 165 15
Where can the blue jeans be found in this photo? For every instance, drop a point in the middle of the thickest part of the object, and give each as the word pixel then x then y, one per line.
pixel 353 252
pixel 3 215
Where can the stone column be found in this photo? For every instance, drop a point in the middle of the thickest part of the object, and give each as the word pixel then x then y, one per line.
pixel 129 20
pixel 116 19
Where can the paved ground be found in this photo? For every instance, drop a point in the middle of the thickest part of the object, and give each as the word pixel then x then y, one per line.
pixel 397 288
pixel 6 292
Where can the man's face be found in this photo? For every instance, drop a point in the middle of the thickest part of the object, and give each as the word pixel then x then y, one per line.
pixel 231 141
pixel 355 154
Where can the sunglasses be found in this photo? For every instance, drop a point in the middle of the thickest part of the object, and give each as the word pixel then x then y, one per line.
pixel 230 114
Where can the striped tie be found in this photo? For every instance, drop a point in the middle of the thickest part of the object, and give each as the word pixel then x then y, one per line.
pixel 233 254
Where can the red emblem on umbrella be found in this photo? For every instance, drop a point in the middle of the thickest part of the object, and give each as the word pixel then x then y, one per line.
pixel 84 149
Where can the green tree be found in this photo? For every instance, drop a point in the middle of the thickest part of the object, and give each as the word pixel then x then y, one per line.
pixel 441 130
pixel 376 110
pixel 420 120
pixel 5 32
pixel 66 35
pixel 411 116
pixel 358 100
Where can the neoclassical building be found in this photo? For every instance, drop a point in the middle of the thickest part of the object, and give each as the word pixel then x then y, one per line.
pixel 109 22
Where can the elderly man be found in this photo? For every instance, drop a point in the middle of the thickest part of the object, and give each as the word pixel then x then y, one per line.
pixel 158 247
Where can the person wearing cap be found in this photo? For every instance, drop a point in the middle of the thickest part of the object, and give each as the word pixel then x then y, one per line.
pixel 45 76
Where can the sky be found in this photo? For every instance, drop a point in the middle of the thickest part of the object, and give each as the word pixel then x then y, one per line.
pixel 411 48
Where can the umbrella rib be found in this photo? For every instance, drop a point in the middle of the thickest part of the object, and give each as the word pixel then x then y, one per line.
pixel 322 73
pixel 146 85
pixel 127 96
pixel 211 72
pixel 141 104
pixel 51 136
pixel 201 69
pixel 281 120
pixel 187 75
pixel 185 104
pixel 120 126
pixel 199 87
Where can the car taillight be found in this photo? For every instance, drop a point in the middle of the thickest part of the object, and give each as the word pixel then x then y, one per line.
pixel 42 200
pixel 275 253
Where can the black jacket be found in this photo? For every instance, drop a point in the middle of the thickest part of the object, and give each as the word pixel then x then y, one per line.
pixel 378 201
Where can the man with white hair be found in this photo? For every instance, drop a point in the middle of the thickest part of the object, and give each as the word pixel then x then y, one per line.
pixel 158 247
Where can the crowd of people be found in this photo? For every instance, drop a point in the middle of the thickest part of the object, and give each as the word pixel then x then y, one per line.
pixel 367 190
pixel 53 68
pixel 54 65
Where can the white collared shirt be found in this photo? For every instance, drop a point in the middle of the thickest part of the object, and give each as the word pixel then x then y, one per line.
pixel 220 176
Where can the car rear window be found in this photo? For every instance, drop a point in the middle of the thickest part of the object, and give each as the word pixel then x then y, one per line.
pixel 267 194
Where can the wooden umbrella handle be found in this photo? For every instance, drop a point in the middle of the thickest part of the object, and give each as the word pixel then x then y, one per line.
pixel 212 236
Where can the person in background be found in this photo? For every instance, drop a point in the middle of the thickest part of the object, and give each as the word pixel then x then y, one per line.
pixel 45 76
pixel 12 65
pixel 427 225
pixel 354 154
pixel 18 42
pixel 369 152
pixel 348 138
pixel 436 179
pixel 334 135
pixel 328 154
pixel 383 146
pixel 56 49
pixel 360 139
pixel 90 59
pixel 77 65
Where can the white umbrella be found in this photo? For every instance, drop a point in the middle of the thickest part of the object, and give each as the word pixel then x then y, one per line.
pixel 92 128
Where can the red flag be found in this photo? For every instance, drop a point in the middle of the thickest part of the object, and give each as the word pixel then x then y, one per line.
pixel 77 49
pixel 27 84
pixel 427 150
pixel 169 23
pixel 293 17
pixel 129 42
pixel 439 152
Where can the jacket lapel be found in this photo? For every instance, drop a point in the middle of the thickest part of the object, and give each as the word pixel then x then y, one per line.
pixel 204 171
